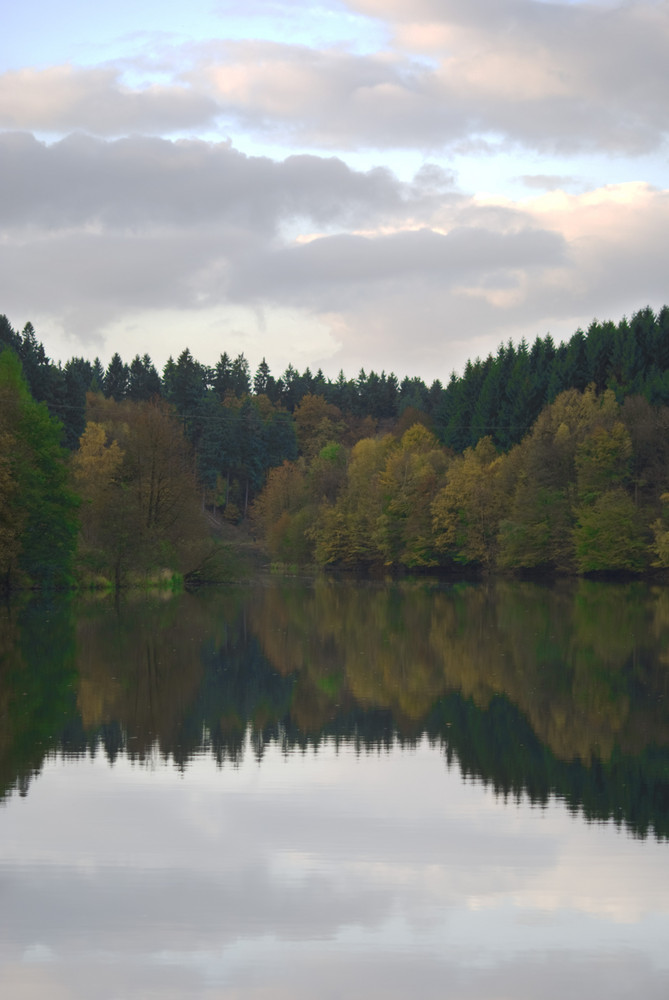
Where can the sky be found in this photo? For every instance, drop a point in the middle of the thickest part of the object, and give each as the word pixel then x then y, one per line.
pixel 398 185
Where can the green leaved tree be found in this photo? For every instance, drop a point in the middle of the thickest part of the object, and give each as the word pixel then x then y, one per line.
pixel 38 510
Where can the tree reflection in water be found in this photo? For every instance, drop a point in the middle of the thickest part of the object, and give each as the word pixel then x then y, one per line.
pixel 537 690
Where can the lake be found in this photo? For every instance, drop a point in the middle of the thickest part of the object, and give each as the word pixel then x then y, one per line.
pixel 327 788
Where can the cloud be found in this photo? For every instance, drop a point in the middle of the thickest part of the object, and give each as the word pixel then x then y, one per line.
pixel 61 98
pixel 330 99
pixel 141 182
pixel 109 242
pixel 551 77
pixel 98 235
pixel 341 268
pixel 548 182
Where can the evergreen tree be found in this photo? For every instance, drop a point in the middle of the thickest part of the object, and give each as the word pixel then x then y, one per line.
pixel 222 377
pixel 240 376
pixel 486 416
pixel 261 377
pixel 185 387
pixel 219 445
pixel 252 450
pixel 97 376
pixel 341 393
pixel 306 383
pixel 661 347
pixel 464 394
pixel 290 396
pixel 435 396
pixel 375 399
pixel 643 331
pixel 280 438
pixel 599 348
pixel 116 379
pixel 8 335
pixel 143 379
pixel 77 378
pixel 320 384
pixel 542 356
pixel 519 411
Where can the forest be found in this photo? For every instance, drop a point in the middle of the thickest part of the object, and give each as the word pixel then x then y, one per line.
pixel 549 458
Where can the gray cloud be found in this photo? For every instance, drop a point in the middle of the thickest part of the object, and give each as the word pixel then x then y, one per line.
pixel 62 98
pixel 411 276
pixel 348 265
pixel 137 183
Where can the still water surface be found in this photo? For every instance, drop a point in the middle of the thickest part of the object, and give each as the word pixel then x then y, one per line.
pixel 337 790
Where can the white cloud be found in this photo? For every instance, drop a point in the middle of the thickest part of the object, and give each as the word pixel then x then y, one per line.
pixel 552 77
pixel 562 77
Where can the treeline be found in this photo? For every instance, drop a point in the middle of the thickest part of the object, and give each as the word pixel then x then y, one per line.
pixel 542 458
pixel 500 397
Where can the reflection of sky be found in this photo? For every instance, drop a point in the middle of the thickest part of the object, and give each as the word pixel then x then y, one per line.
pixel 318 875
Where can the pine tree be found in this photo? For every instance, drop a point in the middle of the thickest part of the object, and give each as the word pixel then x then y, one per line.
pixel 116 379
pixel 261 377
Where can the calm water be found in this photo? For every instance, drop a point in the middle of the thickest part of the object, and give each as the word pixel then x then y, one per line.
pixel 337 790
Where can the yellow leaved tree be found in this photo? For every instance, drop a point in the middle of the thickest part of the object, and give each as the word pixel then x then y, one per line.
pixel 142 511
pixel 467 511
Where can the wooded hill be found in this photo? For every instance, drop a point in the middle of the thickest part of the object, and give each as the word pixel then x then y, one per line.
pixel 549 457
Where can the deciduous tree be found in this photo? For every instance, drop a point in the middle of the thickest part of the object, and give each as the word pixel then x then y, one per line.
pixel 38 511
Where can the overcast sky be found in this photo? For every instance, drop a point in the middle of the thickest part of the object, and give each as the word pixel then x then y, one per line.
pixel 397 185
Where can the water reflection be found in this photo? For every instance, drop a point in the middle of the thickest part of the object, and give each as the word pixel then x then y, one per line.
pixel 324 874
pixel 316 836
pixel 533 689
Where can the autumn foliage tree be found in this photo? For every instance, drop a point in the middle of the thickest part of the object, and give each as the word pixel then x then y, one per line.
pixel 584 492
pixel 141 505
pixel 536 531
pixel 608 533
pixel 347 532
pixel 317 422
pixel 283 516
pixel 468 510
pixel 413 473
